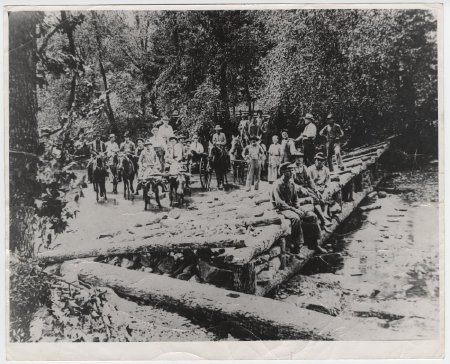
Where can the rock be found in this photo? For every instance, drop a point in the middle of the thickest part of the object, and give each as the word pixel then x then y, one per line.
pixel 274 252
pixel 148 270
pixel 52 269
pixel 382 194
pixel 146 260
pixel 174 214
pixel 265 276
pixel 105 235
pixel 275 264
pixel 194 278
pixel 166 265
pixel 127 263
pixel 138 225
pixel 333 311
pixel 211 274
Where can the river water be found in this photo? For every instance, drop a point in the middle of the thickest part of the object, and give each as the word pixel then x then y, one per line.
pixel 386 275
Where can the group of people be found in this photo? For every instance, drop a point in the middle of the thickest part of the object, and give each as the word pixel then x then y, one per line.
pixel 253 126
pixel 161 152
pixel 304 174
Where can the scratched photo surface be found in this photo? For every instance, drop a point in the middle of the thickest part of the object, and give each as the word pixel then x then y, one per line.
pixel 223 175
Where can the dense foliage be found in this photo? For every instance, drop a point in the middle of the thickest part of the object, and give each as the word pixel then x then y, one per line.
pixel 375 69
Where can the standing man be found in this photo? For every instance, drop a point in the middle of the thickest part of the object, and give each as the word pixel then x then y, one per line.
pixel 253 154
pixel 253 128
pixel 127 146
pixel 165 130
pixel 275 155
pixel 287 147
pixel 243 130
pixel 285 201
pixel 219 137
pixel 333 133
pixel 308 137
pixel 140 147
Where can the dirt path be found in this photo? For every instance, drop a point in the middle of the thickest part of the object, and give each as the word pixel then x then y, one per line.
pixel 388 278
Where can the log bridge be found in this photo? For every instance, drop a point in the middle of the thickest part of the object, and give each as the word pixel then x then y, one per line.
pixel 237 244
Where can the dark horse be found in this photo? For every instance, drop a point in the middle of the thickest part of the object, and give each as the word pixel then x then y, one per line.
pixel 152 185
pixel 99 174
pixel 126 172
pixel 219 160
pixel 237 160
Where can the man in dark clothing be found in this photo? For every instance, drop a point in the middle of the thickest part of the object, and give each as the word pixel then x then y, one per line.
pixel 285 201
pixel 333 133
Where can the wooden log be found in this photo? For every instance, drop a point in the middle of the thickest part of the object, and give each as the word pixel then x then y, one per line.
pixel 150 245
pixel 366 150
pixel 283 252
pixel 370 207
pixel 258 244
pixel 266 318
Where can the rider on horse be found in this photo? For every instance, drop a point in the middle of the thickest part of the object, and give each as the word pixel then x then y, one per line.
pixel 219 137
pixel 127 146
pixel 148 161
pixel 96 147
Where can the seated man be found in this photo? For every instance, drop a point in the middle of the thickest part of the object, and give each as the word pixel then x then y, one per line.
pixel 285 201
pixel 306 188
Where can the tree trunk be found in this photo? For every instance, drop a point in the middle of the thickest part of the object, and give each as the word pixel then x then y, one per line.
pixel 224 102
pixel 109 110
pixel 23 132
pixel 68 30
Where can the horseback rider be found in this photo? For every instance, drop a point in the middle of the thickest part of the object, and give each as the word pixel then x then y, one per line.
pixel 97 146
pixel 159 145
pixel 148 162
pixel 112 148
pixel 243 129
pixel 127 146
pixel 219 137
pixel 139 148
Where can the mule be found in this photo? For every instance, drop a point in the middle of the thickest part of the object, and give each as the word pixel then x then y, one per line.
pixel 237 160
pixel 178 187
pixel 219 160
pixel 113 162
pixel 126 172
pixel 99 175
pixel 151 186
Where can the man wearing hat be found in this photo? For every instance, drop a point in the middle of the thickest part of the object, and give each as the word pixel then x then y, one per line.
pixel 127 145
pixel 165 130
pixel 253 128
pixel 112 148
pixel 174 153
pixel 308 137
pixel 333 133
pixel 140 147
pixel 243 129
pixel 307 188
pixel 285 200
pixel 159 146
pixel 287 147
pixel 219 137
pixel 275 155
pixel 148 161
pixel 253 154
pixel 196 147
pixel 97 146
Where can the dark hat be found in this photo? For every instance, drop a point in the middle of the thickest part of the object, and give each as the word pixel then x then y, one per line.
pixel 218 127
pixel 188 140
pixel 286 165
pixel 141 139
pixel 253 138
pixel 319 156
pixel 308 116
pixel 298 154
pixel 330 116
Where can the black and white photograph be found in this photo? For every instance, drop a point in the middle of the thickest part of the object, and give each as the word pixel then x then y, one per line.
pixel 223 174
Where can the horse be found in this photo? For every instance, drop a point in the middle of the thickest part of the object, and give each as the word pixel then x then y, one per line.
pixel 99 175
pixel 237 160
pixel 113 161
pixel 219 160
pixel 178 184
pixel 126 172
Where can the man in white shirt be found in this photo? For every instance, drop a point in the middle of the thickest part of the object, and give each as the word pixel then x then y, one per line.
pixel 308 138
pixel 196 146
pixel 165 130
pixel 112 148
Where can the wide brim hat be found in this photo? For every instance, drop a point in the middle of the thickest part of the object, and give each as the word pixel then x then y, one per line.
pixel 148 142
pixel 308 116
pixel 253 138
pixel 287 165
pixel 319 156
pixel 165 118
pixel 330 116
pixel 173 137
pixel 217 127
pixel 141 139
pixel 112 135
pixel 298 154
